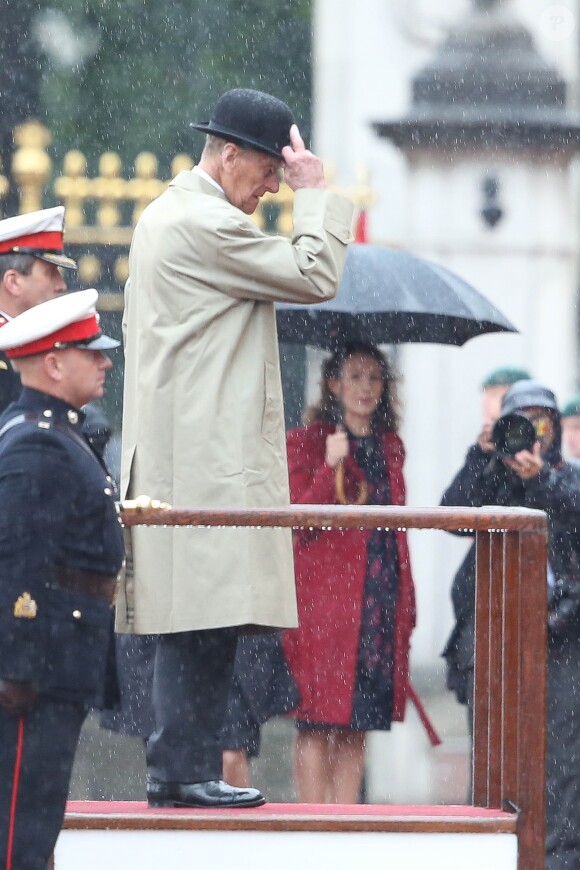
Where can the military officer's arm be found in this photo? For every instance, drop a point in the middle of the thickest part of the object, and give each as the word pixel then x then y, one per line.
pixel 34 484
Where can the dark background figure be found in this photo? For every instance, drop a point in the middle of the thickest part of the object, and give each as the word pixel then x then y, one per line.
pixel 262 687
pixel 96 429
pixel 60 554
pixel 571 430
pixel 458 652
pixel 537 478
pixel 135 655
pixel 356 601
pixel 10 386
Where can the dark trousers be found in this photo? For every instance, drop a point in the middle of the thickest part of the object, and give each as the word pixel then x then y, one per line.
pixel 191 680
pixel 36 760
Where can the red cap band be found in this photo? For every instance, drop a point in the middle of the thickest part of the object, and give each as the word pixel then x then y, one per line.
pixel 82 329
pixel 48 241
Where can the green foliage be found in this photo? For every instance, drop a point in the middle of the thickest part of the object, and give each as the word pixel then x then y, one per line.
pixel 156 66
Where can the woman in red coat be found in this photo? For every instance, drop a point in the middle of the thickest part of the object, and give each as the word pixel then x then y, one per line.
pixel 355 591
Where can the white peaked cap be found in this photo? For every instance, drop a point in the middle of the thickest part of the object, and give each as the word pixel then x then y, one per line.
pixel 48 220
pixel 40 233
pixel 70 320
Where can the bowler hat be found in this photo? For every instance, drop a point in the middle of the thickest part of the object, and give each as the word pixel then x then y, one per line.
pixel 251 118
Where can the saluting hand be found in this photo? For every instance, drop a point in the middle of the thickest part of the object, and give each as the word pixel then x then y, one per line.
pixel 302 168
pixel 337 447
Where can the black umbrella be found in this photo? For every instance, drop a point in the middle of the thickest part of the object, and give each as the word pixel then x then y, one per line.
pixel 389 297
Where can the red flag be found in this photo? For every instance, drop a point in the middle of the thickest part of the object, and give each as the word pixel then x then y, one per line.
pixel 360 234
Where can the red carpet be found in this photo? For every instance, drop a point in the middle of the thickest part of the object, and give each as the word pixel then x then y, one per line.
pixel 352 810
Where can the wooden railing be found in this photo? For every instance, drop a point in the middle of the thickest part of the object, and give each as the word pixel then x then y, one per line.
pixel 510 636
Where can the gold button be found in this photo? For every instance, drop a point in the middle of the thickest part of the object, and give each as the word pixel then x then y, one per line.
pixel 77 614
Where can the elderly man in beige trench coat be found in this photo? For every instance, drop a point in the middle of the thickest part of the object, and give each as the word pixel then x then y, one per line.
pixel 203 419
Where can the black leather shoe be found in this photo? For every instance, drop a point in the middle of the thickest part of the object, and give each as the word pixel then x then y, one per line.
pixel 213 793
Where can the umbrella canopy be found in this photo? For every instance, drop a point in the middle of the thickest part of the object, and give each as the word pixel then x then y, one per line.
pixel 389 297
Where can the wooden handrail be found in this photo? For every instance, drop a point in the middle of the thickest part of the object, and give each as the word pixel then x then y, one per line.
pixel 509 741
pixel 348 517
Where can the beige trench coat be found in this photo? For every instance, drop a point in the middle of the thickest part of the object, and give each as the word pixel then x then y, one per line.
pixel 203 418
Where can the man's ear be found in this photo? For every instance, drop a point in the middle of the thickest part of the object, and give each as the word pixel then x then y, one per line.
pixel 52 366
pixel 11 282
pixel 229 155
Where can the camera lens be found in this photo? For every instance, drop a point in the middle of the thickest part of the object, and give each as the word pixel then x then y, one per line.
pixel 512 433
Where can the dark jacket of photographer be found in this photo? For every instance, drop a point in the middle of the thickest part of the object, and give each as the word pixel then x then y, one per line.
pixel 485 480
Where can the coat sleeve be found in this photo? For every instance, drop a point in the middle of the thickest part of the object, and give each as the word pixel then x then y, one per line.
pixel 477 482
pixel 33 487
pixel 254 265
pixel 556 491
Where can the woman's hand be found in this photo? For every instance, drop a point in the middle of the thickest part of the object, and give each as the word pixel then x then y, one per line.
pixel 336 447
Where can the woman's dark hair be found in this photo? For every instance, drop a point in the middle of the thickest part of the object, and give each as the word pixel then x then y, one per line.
pixel 386 416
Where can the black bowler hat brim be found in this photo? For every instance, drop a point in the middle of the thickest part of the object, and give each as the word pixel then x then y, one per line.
pixel 232 136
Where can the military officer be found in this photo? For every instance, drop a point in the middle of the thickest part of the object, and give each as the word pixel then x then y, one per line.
pixel 31 258
pixel 61 549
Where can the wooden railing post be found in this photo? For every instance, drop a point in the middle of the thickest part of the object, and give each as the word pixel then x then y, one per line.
pixel 510 636
pixel 510 683
pixel 531 700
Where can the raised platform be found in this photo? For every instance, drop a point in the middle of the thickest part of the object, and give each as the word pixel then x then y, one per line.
pixel 118 835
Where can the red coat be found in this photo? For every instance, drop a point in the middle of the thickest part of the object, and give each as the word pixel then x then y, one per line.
pixel 330 576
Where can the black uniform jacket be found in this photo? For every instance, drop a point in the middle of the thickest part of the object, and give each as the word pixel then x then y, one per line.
pixel 485 480
pixel 59 536
pixel 10 386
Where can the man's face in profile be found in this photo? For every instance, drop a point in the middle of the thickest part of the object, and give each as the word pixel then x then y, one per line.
pixel 251 175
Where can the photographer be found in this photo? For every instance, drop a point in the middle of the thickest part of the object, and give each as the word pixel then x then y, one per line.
pixel 499 471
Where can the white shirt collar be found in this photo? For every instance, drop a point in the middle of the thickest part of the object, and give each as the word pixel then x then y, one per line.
pixel 199 171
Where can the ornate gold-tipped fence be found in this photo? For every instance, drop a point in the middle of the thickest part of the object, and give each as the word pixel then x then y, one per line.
pixel 101 210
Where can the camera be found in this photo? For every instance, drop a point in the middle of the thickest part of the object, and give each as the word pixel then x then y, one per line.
pixel 512 433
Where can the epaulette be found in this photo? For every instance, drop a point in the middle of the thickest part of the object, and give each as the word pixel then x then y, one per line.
pixel 43 421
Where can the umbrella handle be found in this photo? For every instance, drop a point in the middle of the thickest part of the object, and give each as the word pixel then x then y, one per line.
pixel 363 487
